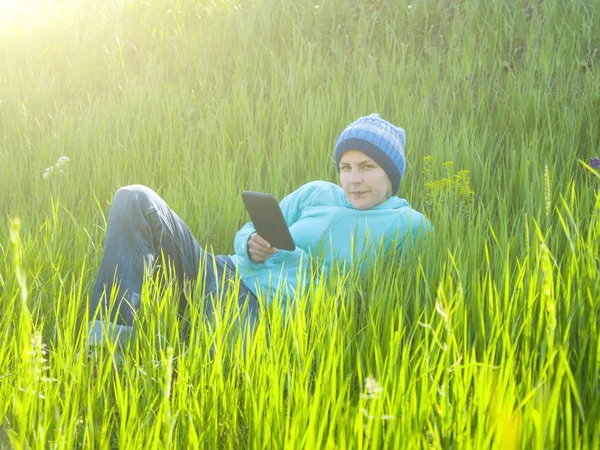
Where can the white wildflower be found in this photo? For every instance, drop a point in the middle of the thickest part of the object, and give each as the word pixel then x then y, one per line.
pixel 372 403
pixel 372 388
pixel 60 163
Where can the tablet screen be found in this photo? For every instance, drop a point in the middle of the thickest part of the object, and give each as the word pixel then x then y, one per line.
pixel 268 219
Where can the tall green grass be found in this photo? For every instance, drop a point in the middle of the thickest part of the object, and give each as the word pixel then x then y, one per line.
pixel 487 339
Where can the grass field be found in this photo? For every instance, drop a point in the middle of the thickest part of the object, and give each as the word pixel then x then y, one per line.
pixel 487 339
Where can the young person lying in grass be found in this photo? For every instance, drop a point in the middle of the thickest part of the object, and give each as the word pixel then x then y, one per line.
pixel 323 218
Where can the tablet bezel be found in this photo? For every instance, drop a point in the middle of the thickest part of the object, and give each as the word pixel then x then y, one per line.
pixel 267 218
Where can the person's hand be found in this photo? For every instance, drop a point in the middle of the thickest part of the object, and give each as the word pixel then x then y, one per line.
pixel 259 249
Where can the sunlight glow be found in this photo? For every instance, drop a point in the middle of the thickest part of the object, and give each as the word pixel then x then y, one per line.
pixel 22 9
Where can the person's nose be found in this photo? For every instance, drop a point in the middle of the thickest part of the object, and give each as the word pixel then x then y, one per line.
pixel 355 176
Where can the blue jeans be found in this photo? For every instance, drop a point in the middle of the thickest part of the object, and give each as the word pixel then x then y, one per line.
pixel 142 234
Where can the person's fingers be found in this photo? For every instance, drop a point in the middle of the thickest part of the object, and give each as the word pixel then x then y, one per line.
pixel 259 249
pixel 259 245
pixel 252 243
pixel 259 239
pixel 262 258
pixel 259 256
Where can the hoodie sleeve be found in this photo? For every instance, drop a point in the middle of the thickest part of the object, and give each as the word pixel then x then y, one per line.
pixel 411 233
pixel 420 232
pixel 293 204
pixel 240 242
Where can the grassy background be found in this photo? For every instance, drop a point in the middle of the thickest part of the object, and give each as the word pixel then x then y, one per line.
pixel 490 340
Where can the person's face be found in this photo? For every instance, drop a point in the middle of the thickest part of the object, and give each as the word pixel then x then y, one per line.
pixel 364 182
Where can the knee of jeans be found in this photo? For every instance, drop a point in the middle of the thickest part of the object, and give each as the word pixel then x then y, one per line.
pixel 129 196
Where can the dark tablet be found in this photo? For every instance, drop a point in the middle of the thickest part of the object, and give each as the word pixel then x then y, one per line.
pixel 268 220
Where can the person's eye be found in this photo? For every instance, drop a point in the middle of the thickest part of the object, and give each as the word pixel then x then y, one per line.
pixel 368 166
pixel 345 168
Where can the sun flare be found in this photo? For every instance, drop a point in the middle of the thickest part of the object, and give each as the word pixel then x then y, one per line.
pixel 11 10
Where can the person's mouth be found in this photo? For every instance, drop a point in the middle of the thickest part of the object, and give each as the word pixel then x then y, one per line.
pixel 358 193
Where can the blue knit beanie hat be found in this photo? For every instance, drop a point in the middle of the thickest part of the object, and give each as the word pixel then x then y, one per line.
pixel 378 139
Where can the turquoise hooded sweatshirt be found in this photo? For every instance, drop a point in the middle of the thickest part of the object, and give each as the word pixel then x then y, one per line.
pixel 325 225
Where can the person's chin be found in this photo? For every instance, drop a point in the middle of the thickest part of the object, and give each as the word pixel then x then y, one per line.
pixel 361 205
